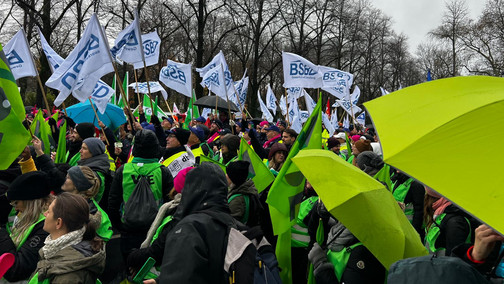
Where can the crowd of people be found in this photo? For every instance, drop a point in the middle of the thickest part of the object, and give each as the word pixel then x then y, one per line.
pixel 155 190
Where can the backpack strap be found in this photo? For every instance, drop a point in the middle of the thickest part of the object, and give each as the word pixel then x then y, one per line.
pixel 245 217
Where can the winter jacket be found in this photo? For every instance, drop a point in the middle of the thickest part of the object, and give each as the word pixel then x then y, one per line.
pixel 237 204
pixel 73 264
pixel 100 164
pixel 414 196
pixel 196 247
pixel 6 177
pixel 27 256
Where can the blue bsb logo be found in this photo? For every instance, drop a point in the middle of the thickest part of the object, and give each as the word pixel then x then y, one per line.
pixel 14 58
pixel 174 73
pixel 71 75
pixel 298 68
pixel 101 90
pixel 150 46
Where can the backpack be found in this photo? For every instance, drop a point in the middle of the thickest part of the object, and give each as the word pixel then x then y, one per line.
pixel 141 208
pixel 433 270
pixel 249 257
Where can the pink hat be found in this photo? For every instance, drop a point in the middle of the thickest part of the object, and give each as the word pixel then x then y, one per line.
pixel 263 123
pixel 355 138
pixel 179 180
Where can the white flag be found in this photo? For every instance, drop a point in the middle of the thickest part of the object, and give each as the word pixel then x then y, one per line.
pixel 327 123
pixel 283 106
pixel 242 88
pixel 144 89
pixel 205 112
pixel 19 57
pixel 296 124
pixel 346 123
pixel 299 72
pixel 354 98
pixel 310 104
pixel 264 109
pixel 303 116
pixel 270 100
pixel 361 119
pixel 84 66
pixel 127 45
pixel 175 108
pixel 334 119
pixel 337 92
pixel 383 91
pixel 177 76
pixel 214 81
pixel 349 107
pixel 336 80
pixel 151 45
pixel 52 57
pixel 293 110
pixel 218 59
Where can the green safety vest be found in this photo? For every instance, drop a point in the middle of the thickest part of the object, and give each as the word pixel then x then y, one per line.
pixel 299 232
pixel 400 193
pixel 28 231
pixel 101 190
pixel 434 231
pixel 105 230
pixel 339 259
pixel 73 161
pixel 166 220
pixel 133 171
pixel 34 280
pixel 245 217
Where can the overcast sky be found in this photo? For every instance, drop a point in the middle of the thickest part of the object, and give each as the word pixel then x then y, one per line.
pixel 416 18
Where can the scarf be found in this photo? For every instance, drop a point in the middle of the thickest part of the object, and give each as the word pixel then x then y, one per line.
pixel 440 205
pixel 52 247
pixel 266 145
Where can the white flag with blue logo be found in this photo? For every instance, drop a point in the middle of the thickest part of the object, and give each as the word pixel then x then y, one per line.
pixel 84 66
pixel 242 88
pixel 361 119
pixel 303 116
pixel 336 82
pixel 354 98
pixel 144 89
pixel 214 81
pixel 271 100
pixel 350 108
pixel 346 123
pixel 310 103
pixel 328 124
pixel 218 59
pixel 296 124
pixel 283 106
pixel 151 45
pixel 299 72
pixel 293 110
pixel 53 58
pixel 294 93
pixel 264 109
pixel 334 119
pixel 177 76
pixel 19 57
pixel 127 45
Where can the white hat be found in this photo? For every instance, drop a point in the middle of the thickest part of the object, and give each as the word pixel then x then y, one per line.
pixel 340 135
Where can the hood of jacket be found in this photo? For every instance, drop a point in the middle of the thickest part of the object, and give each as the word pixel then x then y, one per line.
pixel 205 189
pixel 71 259
pixel 99 163
pixel 247 187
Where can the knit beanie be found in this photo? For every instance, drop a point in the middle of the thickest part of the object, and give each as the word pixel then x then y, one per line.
pixel 232 142
pixel 363 145
pixel 369 160
pixel 182 135
pixel 332 142
pixel 29 186
pixel 238 172
pixel 85 130
pixel 79 179
pixel 95 146
pixel 179 180
pixel 355 138
pixel 146 145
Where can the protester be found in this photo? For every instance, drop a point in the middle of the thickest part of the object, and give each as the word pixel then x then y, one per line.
pixel 230 145
pixel 93 155
pixel 243 198
pixel 56 172
pixel 358 147
pixel 334 145
pixel 175 142
pixel 198 144
pixel 195 249
pixel 82 131
pixel 276 158
pixel 289 136
pixel 72 253
pixel 29 194
pixel 369 162
pixel 282 125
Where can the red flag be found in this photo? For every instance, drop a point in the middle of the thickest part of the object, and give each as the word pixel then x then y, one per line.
pixel 328 108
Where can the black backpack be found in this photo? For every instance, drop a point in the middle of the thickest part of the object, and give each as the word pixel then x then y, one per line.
pixel 141 208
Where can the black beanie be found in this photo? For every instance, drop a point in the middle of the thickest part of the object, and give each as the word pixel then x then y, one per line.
pixel 182 135
pixel 238 172
pixel 146 145
pixel 29 186
pixel 85 130
pixel 369 160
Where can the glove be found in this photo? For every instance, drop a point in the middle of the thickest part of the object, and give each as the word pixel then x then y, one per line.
pixel 317 256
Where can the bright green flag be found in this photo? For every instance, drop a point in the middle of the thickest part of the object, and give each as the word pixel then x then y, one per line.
pixel 192 112
pixel 258 171
pixel 148 110
pixel 13 135
pixel 61 151
pixel 383 175
pixel 204 158
pixel 55 116
pixel 42 130
pixel 155 108
pixel 286 193
pixel 113 99
pixel 120 102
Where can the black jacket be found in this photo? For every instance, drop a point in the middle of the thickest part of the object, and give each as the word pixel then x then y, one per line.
pixel 196 247
pixel 454 229
pixel 415 196
pixel 27 256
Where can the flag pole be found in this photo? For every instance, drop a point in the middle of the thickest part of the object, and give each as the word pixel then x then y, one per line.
pixel 143 60
pixel 97 118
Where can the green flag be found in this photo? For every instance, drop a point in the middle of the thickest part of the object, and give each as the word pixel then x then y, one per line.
pixel 13 136
pixel 383 175
pixel 42 130
pixel 113 99
pixel 258 171
pixel 192 112
pixel 155 108
pixel 287 191
pixel 148 110
pixel 204 158
pixel 120 102
pixel 61 151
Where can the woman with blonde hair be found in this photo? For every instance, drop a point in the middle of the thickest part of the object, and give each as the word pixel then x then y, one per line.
pixel 30 196
pixel 83 181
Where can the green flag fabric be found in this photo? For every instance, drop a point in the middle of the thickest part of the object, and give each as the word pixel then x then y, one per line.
pixel 148 110
pixel 61 150
pixel 383 175
pixel 287 191
pixel 258 171
pixel 120 102
pixel 13 136
pixel 113 98
pixel 192 112
pixel 42 130
pixel 204 158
